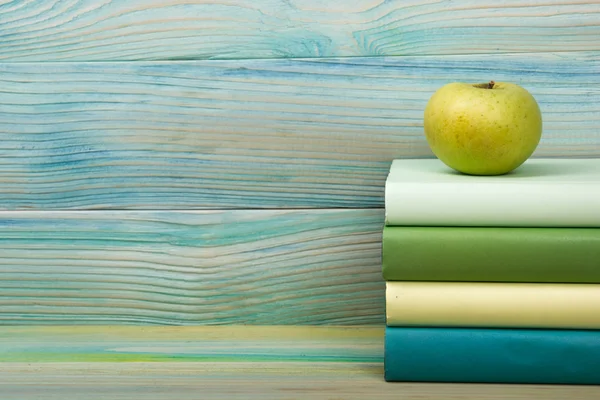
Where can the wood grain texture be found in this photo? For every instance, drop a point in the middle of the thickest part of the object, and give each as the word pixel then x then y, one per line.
pixel 252 134
pixel 233 343
pixel 248 381
pixel 190 268
pixel 230 362
pixel 101 30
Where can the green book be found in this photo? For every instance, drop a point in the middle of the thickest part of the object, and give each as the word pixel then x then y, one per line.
pixel 491 254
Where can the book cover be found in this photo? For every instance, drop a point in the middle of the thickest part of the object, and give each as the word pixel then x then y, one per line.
pixel 501 305
pixel 469 355
pixel 541 193
pixel 491 254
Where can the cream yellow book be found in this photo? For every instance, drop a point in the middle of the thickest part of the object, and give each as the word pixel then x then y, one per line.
pixel 482 304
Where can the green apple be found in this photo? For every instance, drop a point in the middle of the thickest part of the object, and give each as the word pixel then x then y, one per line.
pixel 483 129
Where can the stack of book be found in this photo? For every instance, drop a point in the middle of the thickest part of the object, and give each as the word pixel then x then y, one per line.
pixel 493 278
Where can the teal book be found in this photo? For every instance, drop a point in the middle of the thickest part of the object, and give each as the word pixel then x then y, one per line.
pixel 482 355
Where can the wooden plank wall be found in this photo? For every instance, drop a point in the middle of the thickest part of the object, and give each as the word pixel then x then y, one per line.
pixel 222 162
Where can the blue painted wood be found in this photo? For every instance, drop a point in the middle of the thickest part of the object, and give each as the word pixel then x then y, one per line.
pixel 255 133
pixel 257 267
pixel 100 30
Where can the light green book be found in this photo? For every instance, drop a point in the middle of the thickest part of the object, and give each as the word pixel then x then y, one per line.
pixel 542 192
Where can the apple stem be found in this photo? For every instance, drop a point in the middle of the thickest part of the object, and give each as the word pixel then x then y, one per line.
pixel 491 84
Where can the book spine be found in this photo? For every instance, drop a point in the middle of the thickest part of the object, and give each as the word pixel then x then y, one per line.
pixel 480 304
pixel 472 204
pixel 492 355
pixel 487 254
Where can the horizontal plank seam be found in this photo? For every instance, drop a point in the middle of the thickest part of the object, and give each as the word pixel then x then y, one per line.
pixel 4 213
pixel 218 59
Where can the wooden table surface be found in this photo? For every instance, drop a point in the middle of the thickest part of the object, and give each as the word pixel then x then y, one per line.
pixel 224 362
